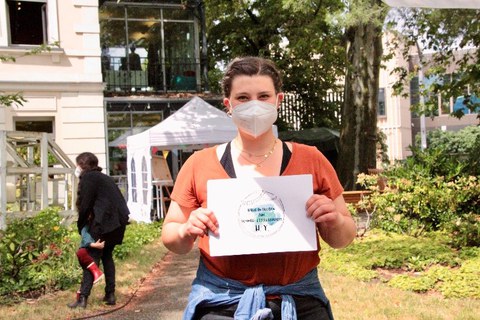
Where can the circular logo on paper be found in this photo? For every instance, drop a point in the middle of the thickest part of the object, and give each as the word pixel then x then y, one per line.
pixel 261 214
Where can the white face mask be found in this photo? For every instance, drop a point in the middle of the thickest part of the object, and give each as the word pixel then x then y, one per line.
pixel 78 170
pixel 254 117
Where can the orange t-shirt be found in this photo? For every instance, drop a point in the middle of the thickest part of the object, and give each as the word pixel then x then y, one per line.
pixel 281 268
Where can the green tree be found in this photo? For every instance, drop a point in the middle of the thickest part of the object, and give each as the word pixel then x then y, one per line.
pixel 315 48
pixel 296 36
pixel 363 41
pixel 444 32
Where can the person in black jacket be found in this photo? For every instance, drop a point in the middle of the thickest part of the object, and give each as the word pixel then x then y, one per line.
pixel 103 209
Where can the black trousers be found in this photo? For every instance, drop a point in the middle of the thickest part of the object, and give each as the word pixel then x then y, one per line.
pixel 106 257
pixel 308 308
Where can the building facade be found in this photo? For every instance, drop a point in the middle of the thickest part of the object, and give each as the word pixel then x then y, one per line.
pixel 106 70
pixel 63 87
pixel 116 68
pixel 395 117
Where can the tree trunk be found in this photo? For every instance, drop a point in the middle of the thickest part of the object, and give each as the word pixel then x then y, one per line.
pixel 359 114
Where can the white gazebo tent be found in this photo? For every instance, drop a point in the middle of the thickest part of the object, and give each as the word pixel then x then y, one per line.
pixel 194 126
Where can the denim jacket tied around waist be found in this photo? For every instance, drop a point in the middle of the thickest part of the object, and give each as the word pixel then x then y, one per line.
pixel 210 290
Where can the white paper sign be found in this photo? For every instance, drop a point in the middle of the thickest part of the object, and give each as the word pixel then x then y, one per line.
pixel 261 215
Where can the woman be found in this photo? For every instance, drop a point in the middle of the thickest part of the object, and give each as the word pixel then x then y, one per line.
pixel 230 287
pixel 102 208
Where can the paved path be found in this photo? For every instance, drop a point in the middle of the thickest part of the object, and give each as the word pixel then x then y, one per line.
pixel 164 293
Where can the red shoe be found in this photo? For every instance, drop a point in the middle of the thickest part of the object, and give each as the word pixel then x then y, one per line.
pixel 96 272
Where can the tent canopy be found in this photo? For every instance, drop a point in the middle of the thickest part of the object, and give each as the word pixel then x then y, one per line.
pixel 196 125
pixel 324 139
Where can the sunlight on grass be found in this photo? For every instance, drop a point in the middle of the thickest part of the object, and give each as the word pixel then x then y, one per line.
pixel 354 300
pixel 375 278
pixel 129 274
pixel 351 298
pixel 422 264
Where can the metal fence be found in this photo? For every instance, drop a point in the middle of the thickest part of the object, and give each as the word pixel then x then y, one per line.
pixel 297 113
pixel 175 76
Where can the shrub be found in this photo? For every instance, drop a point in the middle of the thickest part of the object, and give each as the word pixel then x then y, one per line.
pixel 136 236
pixel 435 189
pixel 32 253
pixel 37 254
pixel 449 153
pixel 417 205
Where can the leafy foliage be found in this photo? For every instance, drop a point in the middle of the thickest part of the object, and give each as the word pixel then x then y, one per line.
pixel 458 151
pixel 434 189
pixel 136 236
pixel 296 36
pixel 444 32
pixel 419 204
pixel 37 254
pixel 417 264
pixel 9 100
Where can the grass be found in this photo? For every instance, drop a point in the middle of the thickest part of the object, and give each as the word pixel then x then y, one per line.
pixel 351 298
pixel 129 272
pixel 360 279
pixel 355 300
pixel 423 264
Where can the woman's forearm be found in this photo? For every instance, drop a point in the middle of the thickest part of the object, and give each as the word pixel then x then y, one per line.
pixel 175 239
pixel 339 236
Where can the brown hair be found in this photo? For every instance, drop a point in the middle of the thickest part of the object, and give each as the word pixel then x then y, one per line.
pixel 251 66
pixel 87 161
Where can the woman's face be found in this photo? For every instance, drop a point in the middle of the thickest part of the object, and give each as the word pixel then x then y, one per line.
pixel 78 170
pixel 246 88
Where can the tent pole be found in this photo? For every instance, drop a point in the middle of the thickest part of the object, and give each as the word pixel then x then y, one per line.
pixel 174 163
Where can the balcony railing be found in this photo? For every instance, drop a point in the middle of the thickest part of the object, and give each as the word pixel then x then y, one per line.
pixel 177 76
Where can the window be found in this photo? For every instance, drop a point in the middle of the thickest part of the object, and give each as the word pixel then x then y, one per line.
pixel 381 102
pixel 125 119
pixel 445 104
pixel 27 22
pixel 460 104
pixel 144 180
pixel 133 177
pixel 163 37
pixel 414 94
pixel 34 125
pixel 445 100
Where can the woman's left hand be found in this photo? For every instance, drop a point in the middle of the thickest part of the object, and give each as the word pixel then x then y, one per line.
pixel 323 211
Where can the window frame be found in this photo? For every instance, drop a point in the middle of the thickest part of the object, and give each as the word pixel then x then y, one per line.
pixel 51 24
pixel 18 119
pixel 382 94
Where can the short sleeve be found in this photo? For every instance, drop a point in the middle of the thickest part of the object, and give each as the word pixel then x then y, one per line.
pixel 184 192
pixel 309 160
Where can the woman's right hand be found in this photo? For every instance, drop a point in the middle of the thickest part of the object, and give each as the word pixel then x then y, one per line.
pixel 199 223
pixel 183 225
